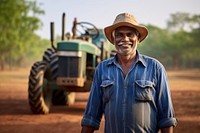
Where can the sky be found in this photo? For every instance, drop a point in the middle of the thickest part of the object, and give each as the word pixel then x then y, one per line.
pixel 102 13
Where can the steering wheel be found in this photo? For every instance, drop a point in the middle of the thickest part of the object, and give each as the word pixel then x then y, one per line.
pixel 87 29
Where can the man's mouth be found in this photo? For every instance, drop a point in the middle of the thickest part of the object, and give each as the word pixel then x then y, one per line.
pixel 124 43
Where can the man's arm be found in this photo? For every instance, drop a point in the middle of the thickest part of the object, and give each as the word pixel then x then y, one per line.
pixel 87 129
pixel 167 130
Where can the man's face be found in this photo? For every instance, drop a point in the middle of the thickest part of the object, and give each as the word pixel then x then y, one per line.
pixel 125 40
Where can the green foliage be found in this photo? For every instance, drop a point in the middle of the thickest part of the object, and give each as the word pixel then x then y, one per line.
pixel 18 22
pixel 178 45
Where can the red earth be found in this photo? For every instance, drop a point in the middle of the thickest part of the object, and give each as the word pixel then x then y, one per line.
pixel 15 114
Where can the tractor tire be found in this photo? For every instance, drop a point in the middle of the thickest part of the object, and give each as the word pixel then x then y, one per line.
pixel 39 94
pixel 47 58
pixel 60 97
pixel 54 66
pixel 47 55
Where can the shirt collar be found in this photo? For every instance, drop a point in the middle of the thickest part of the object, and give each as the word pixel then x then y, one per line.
pixel 139 59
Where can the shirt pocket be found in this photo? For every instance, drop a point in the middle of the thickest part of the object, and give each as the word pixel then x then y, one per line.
pixel 144 90
pixel 107 87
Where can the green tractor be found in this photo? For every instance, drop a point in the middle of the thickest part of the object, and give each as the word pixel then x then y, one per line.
pixel 67 68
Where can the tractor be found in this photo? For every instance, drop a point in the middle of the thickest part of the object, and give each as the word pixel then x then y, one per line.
pixel 68 67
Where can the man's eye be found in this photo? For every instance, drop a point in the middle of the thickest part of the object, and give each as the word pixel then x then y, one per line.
pixel 130 34
pixel 118 35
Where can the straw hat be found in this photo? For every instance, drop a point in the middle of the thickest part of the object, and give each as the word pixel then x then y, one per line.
pixel 125 19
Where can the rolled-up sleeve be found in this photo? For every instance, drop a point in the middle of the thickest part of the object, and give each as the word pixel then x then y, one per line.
pixel 166 115
pixel 90 121
pixel 167 122
pixel 93 112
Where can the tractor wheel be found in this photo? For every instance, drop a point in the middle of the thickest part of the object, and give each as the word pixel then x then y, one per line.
pixel 47 55
pixel 60 97
pixel 39 94
pixel 47 58
pixel 54 66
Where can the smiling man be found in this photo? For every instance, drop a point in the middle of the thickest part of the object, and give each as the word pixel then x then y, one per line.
pixel 130 89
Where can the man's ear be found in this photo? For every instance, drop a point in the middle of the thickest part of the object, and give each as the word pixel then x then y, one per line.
pixel 112 37
pixel 113 40
pixel 138 39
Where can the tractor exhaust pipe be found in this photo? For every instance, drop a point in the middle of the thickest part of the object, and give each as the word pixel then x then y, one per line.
pixel 102 50
pixel 74 28
pixel 63 27
pixel 52 35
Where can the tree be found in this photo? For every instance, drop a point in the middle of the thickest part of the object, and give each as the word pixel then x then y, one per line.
pixel 185 39
pixel 178 45
pixel 156 44
pixel 18 21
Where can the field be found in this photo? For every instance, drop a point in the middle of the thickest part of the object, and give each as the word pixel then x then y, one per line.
pixel 15 115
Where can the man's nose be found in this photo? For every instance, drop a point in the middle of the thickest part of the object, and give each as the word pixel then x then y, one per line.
pixel 125 38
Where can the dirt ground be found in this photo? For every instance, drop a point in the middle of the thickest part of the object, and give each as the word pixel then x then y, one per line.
pixel 16 117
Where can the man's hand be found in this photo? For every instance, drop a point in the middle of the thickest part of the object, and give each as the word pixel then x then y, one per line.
pixel 86 129
pixel 167 130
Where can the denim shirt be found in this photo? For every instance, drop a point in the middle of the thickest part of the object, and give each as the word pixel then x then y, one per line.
pixel 139 102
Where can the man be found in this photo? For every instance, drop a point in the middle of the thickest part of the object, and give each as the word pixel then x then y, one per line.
pixel 130 89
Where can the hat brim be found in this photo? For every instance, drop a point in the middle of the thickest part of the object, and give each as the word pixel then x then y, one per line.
pixel 141 29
